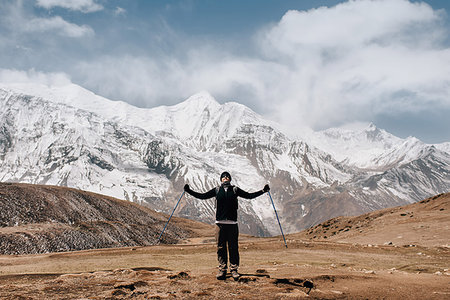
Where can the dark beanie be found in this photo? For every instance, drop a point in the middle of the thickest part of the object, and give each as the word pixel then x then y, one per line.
pixel 225 174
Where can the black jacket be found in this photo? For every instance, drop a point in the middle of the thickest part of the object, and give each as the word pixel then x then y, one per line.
pixel 226 199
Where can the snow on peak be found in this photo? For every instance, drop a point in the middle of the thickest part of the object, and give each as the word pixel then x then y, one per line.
pixel 75 96
pixel 356 126
pixel 358 132
pixel 188 117
pixel 198 116
pixel 445 147
pixel 365 145
pixel 201 121
pixel 201 100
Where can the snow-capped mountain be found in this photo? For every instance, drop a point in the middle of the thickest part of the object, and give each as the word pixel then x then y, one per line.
pixel 72 137
pixel 368 147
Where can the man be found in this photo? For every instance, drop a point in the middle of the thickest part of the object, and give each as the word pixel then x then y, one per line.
pixel 227 231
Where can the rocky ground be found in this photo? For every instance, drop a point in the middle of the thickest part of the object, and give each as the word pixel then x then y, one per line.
pixel 317 270
pixel 367 261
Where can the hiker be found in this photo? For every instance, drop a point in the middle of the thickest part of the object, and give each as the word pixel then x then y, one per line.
pixel 227 231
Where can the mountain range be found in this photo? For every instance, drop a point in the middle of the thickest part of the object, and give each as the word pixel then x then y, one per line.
pixel 69 136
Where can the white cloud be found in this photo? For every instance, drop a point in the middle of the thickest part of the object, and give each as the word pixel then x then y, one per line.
pixel 34 77
pixel 359 59
pixel 325 67
pixel 86 6
pixel 16 23
pixel 348 25
pixel 59 25
pixel 119 11
pixel 147 81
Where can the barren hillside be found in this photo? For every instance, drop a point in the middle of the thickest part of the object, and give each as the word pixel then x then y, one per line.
pixel 425 223
pixel 42 219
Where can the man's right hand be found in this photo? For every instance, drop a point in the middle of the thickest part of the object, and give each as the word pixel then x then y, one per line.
pixel 186 187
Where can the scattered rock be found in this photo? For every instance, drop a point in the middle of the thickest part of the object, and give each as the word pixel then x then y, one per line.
pixel 281 281
pixel 336 292
pixel 130 286
pixel 294 294
pixel 246 279
pixel 119 293
pixel 181 275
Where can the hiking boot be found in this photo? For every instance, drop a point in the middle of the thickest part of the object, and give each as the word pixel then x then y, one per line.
pixel 235 275
pixel 222 275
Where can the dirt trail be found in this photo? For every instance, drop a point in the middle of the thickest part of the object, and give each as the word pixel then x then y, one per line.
pixel 316 270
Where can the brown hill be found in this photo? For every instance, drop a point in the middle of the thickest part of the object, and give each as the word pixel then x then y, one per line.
pixel 425 223
pixel 41 219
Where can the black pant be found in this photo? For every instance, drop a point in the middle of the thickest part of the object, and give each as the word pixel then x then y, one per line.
pixel 227 237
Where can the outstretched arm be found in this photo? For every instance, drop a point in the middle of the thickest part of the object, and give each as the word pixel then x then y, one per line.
pixel 207 195
pixel 246 195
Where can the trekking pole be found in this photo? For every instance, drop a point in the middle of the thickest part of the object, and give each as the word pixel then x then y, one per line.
pixel 281 229
pixel 170 217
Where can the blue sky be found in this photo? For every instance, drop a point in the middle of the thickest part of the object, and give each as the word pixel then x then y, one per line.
pixel 318 63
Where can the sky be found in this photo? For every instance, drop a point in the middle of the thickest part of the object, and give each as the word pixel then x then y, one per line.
pixel 308 63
